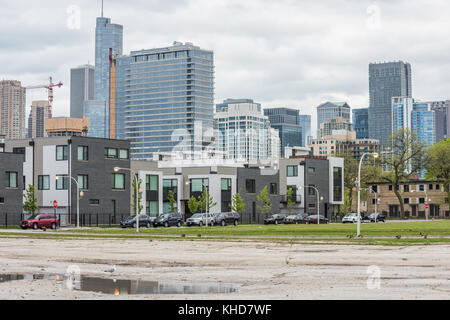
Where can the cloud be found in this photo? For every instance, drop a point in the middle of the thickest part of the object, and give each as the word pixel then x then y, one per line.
pixel 280 53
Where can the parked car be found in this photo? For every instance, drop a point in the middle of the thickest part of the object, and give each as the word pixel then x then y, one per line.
pixel 351 217
pixel 40 221
pixel 313 219
pixel 275 219
pixel 225 218
pixel 168 219
pixel 296 218
pixel 366 219
pixel 130 222
pixel 377 217
pixel 199 219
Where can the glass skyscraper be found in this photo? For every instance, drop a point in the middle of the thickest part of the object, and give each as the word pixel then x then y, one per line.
pixel 361 123
pixel 401 113
pixel 422 122
pixel 98 118
pixel 287 122
pixel 386 80
pixel 164 99
pixel 82 88
pixel 305 123
pixel 108 37
pixel 332 110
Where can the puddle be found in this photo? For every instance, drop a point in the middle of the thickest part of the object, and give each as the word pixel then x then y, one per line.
pixel 126 287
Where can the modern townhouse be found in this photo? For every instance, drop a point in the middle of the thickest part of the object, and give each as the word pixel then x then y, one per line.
pixel 11 187
pixel 60 166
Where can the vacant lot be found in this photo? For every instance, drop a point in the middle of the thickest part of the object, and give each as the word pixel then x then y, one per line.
pixel 258 270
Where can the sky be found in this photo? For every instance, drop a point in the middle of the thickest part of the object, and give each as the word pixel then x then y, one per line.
pixel 283 53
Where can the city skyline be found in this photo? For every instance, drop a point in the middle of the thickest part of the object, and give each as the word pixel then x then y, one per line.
pixel 289 69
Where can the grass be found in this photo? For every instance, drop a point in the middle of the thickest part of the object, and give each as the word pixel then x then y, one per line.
pixel 441 228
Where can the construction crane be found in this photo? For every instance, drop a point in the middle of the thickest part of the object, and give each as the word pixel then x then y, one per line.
pixel 49 87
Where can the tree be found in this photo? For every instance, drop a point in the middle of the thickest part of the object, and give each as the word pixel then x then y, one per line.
pixel 237 204
pixel 408 158
pixel 172 202
pixel 290 202
pixel 264 205
pixel 133 204
pixel 30 201
pixel 193 205
pixel 204 203
pixel 438 166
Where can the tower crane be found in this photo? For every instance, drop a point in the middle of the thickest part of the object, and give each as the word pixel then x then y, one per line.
pixel 49 87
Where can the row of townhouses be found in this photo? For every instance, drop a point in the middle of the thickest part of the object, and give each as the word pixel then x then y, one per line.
pixel 103 171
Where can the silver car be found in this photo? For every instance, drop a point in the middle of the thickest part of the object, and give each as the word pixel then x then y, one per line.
pixel 351 217
pixel 199 219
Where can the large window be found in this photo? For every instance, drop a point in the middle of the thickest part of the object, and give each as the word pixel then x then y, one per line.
pixel 250 186
pixel 124 154
pixel 61 153
pixel 337 184
pixel 292 171
pixel 273 188
pixel 225 184
pixel 62 182
pixel 198 184
pixel 43 182
pixel 118 181
pixel 152 208
pixel 11 179
pixel 170 184
pixel 151 183
pixel 83 154
pixel 83 182
pixel 111 153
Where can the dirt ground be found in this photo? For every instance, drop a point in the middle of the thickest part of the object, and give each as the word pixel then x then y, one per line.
pixel 257 270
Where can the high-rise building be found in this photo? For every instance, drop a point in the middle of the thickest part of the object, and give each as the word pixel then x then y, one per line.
pixel 386 80
pixel 82 84
pixel 422 122
pixel 401 113
pixel 97 113
pixel 244 132
pixel 441 119
pixel 164 99
pixel 287 122
pixel 361 123
pixel 12 109
pixel 67 127
pixel 108 42
pixel 332 110
pixel 336 124
pixel 305 123
pixel 40 111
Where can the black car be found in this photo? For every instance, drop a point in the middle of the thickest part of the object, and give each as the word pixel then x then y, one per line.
pixel 377 217
pixel 275 219
pixel 225 218
pixel 168 219
pixel 296 218
pixel 313 219
pixel 130 222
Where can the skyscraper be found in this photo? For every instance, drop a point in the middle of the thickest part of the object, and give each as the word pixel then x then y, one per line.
pixel 361 123
pixel 108 40
pixel 40 111
pixel 287 122
pixel 305 123
pixel 401 113
pixel 386 80
pixel 82 84
pixel 164 99
pixel 422 122
pixel 98 118
pixel 441 119
pixel 12 109
pixel 331 110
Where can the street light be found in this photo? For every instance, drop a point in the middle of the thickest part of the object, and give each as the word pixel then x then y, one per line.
pixel 79 193
pixel 375 155
pixel 117 169
pixel 318 199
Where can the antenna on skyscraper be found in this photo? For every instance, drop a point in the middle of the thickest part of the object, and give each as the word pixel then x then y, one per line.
pixel 102 8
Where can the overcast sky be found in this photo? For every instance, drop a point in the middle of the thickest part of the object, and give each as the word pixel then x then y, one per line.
pixel 288 53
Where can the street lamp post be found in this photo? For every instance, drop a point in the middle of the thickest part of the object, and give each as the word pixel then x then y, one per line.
pixel 318 199
pixel 78 196
pixel 375 155
pixel 117 169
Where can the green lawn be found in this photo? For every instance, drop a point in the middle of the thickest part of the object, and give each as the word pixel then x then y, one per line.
pixel 379 229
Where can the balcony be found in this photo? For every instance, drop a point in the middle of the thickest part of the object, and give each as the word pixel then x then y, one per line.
pixel 295 198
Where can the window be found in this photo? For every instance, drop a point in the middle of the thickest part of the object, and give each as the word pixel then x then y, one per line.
pixel 43 182
pixel 82 154
pixel 83 182
pixel 421 200
pixel 421 187
pixel 390 187
pixel 375 189
pixel 311 190
pixel 311 170
pixel 151 208
pixel 20 150
pixel 111 153
pixel 94 202
pixel 438 187
pixel 124 154
pixel 198 184
pixel 226 184
pixel 62 182
pixel 170 184
pixel 292 171
pixel 273 188
pixel 406 188
pixel 11 179
pixel 250 186
pixel 61 153
pixel 337 184
pixel 151 183
pixel 118 181
pixel 2 200
pixel 430 187
pixel 406 200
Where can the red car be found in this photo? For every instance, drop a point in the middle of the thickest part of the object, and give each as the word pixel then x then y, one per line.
pixel 39 221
